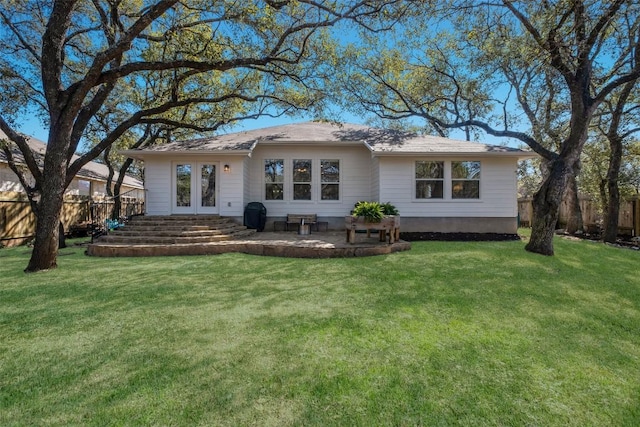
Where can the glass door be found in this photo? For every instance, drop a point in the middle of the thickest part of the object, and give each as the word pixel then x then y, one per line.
pixel 195 189
pixel 183 201
pixel 208 192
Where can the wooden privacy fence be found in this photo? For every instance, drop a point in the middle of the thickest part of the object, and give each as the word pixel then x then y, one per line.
pixel 18 223
pixel 628 219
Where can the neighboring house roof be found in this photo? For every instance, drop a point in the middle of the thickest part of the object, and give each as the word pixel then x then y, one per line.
pixel 381 142
pixel 91 171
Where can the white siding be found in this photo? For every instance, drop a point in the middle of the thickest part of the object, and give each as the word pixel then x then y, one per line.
pixel 246 185
pixel 375 180
pixel 157 182
pixel 9 181
pixel 387 179
pixel 355 179
pixel 231 185
pixel 498 189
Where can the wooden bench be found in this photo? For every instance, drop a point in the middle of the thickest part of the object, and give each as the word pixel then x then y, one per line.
pixel 294 220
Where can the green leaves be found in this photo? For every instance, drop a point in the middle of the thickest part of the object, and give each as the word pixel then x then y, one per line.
pixel 371 211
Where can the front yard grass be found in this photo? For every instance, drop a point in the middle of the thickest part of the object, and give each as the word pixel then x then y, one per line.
pixel 448 333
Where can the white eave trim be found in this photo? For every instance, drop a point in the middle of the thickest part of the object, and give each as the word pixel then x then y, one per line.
pixel 521 156
pixel 136 154
pixel 311 143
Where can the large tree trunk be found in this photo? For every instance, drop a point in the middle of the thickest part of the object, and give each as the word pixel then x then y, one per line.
pixel 546 208
pixel 45 248
pixel 574 213
pixel 49 212
pixel 610 233
pixel 604 199
pixel 612 213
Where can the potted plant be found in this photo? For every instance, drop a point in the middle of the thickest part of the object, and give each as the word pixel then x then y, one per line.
pixel 389 209
pixel 373 216
pixel 369 211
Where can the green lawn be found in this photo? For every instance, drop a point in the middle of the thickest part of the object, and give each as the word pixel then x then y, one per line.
pixel 445 334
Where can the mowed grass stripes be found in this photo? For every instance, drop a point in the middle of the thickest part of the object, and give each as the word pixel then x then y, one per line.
pixel 473 333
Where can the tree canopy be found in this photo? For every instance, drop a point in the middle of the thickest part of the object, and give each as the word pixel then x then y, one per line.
pixel 536 72
pixel 72 61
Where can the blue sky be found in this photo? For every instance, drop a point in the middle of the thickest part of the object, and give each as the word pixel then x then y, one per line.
pixel 32 126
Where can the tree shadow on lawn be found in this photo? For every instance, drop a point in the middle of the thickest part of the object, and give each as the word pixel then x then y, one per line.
pixel 444 330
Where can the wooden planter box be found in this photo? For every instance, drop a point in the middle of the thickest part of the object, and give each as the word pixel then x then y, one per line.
pixel 388 226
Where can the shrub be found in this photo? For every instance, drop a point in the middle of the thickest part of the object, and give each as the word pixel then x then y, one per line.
pixel 371 211
pixel 389 209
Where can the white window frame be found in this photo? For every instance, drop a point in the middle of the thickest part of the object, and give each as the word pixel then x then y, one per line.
pixel 321 182
pixel 283 182
pixel 443 180
pixel 478 180
pixel 288 182
pixel 309 183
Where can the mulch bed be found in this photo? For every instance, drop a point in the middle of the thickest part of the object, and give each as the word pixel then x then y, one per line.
pixel 623 241
pixel 459 237
pixel 626 242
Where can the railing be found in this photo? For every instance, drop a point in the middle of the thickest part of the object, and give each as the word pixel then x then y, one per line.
pixel 102 219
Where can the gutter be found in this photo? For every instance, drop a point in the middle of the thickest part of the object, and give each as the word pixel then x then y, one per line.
pixel 140 155
pixel 521 155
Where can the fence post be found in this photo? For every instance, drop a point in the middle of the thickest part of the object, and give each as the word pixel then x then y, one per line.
pixel 636 217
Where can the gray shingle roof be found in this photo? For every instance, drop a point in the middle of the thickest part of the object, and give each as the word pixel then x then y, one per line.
pixel 379 141
pixel 246 140
pixel 411 143
pixel 92 170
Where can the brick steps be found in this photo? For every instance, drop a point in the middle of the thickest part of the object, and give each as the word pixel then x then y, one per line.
pixel 166 229
pixel 152 232
pixel 143 240
pixel 167 235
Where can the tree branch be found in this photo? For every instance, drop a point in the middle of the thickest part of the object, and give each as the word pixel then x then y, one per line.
pixel 24 148
pixel 78 91
pixel 52 61
pixel 137 118
pixel 16 32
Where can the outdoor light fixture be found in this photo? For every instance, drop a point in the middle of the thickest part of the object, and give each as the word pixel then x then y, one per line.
pixel 227 168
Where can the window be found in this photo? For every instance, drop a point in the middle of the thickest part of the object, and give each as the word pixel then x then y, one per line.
pixel 274 179
pixel 301 179
pixel 330 179
pixel 309 179
pixel 183 185
pixel 84 187
pixel 207 185
pixel 465 180
pixel 429 180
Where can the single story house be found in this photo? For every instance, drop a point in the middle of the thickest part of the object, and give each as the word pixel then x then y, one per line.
pixel 90 181
pixel 17 222
pixel 437 184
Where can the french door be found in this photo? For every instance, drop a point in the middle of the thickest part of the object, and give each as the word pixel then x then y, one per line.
pixel 194 188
